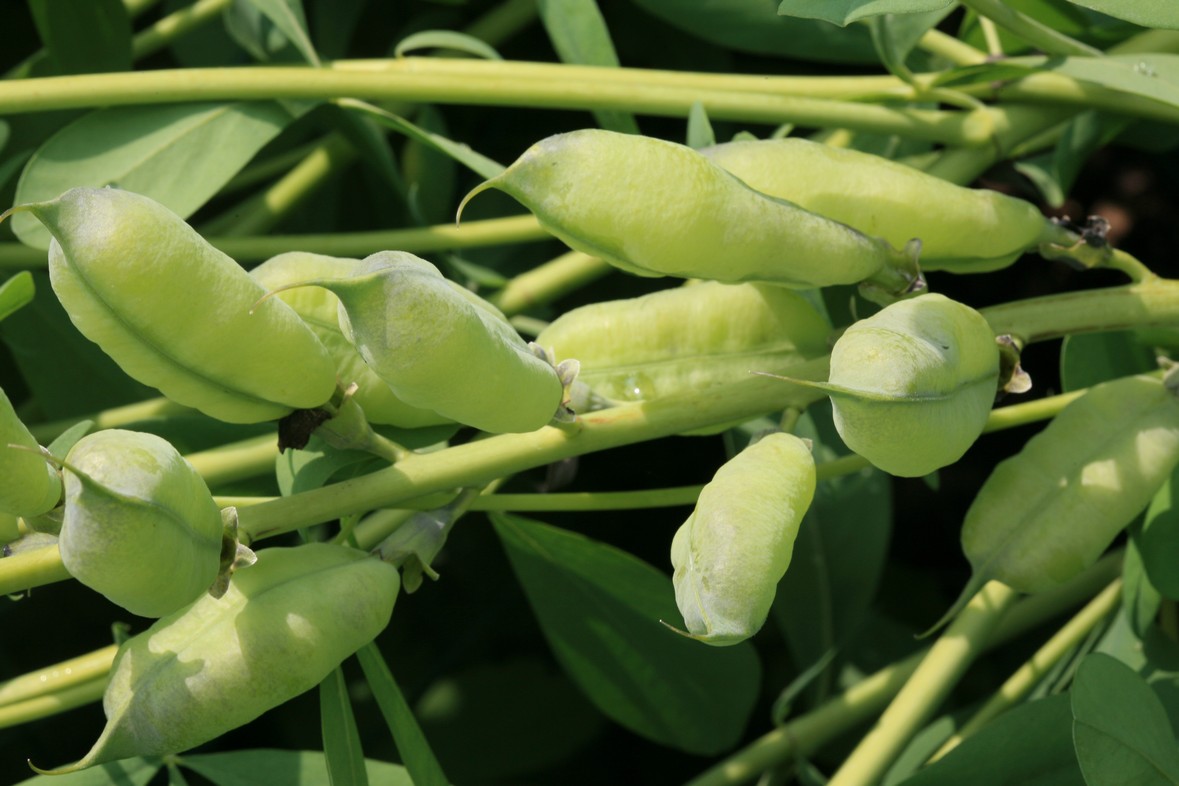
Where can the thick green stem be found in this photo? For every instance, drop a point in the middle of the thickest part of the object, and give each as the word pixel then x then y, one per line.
pixel 58 677
pixel 545 283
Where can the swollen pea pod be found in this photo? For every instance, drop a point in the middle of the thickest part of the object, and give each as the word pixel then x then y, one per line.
pixel 912 386
pixel 139 523
pixel 281 627
pixel 736 545
pixel 656 208
pixel 441 348
pixel 319 308
pixel 175 313
pixel 962 230
pixel 29 486
pixel 687 338
pixel 1047 513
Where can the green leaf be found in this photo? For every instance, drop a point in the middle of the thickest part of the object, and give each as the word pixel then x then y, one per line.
pixel 1089 358
pixel 580 37
pixel 1158 540
pixel 314 465
pixel 446 39
pixel 17 292
pixel 126 772
pixel 341 739
pixel 754 26
pixel 1148 13
pixel 334 23
pixel 178 155
pixel 700 133
pixel 896 35
pixel 429 174
pixel 290 768
pixel 84 38
pixel 1140 599
pixel 411 743
pixel 1151 76
pixel 288 19
pixel 1054 172
pixel 1030 745
pixel 844 12
pixel 1120 729
pixel 839 554
pixel 600 609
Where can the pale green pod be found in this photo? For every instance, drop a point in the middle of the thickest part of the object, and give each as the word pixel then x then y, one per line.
pixel 139 523
pixel 319 309
pixel 736 545
pixel 29 485
pixel 687 338
pixel 1047 513
pixel 282 626
pixel 442 349
pixel 175 313
pixel 658 208
pixel 912 386
pixel 962 230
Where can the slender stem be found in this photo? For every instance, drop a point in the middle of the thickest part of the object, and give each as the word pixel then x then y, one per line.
pixel 1132 267
pixel 175 25
pixel 503 21
pixel 488 232
pixel 115 417
pixel 237 461
pixel 28 569
pixel 928 686
pixel 59 676
pixel 1034 32
pixel 402 84
pixel 545 283
pixel 53 703
pixel 837 716
pixel 956 51
pixel 1020 684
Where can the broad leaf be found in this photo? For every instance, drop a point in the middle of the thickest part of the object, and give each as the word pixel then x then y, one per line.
pixel 290 768
pixel 1159 539
pixel 1151 76
pixel 844 12
pixel 81 38
pixel 288 19
pixel 126 772
pixel 1148 13
pixel 1140 598
pixel 580 37
pixel 1089 358
pixel 16 293
pixel 1120 729
pixel 341 739
pixel 179 155
pixel 1030 745
pixel 1054 172
pixel 601 609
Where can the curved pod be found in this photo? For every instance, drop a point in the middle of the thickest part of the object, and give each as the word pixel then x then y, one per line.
pixel 655 208
pixel 175 313
pixel 1047 513
pixel 139 524
pixel 319 308
pixel 962 230
pixel 687 338
pixel 440 349
pixel 736 545
pixel 912 386
pixel 282 626
pixel 29 485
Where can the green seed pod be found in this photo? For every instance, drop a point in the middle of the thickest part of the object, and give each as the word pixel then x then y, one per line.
pixel 174 312
pixel 687 338
pixel 29 486
pixel 912 386
pixel 1048 513
pixel 282 626
pixel 962 230
pixel 443 349
pixel 682 215
pixel 139 524
pixel 736 545
pixel 319 308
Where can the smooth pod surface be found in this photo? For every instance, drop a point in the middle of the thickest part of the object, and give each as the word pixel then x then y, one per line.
pixel 319 308
pixel 29 485
pixel 1047 513
pixel 912 386
pixel 687 338
pixel 962 230
pixel 736 545
pixel 175 313
pixel 139 524
pixel 443 350
pixel 658 208
pixel 282 626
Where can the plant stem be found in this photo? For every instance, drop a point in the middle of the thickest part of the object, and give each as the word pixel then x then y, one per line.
pixel 175 25
pixel 53 703
pixel 545 283
pixel 837 716
pixel 1034 32
pixel 1021 683
pixel 237 461
pixel 28 569
pixel 956 51
pixel 402 84
pixel 925 690
pixel 58 677
pixel 488 232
